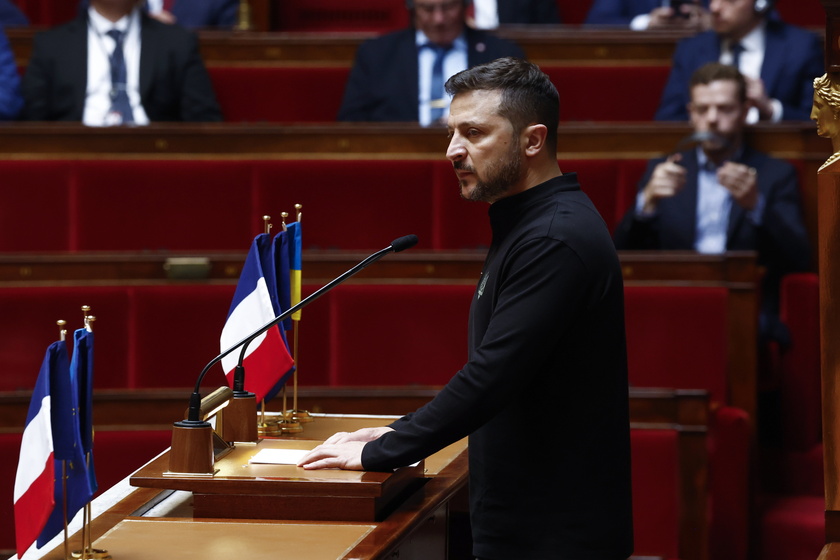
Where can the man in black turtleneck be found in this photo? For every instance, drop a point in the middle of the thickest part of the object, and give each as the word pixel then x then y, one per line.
pixel 543 396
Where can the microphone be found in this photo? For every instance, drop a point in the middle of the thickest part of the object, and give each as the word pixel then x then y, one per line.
pixel 396 246
pixel 716 141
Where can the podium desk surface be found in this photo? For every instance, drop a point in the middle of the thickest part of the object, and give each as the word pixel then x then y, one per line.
pixel 119 526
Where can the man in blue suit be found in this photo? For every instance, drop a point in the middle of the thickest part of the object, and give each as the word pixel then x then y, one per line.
pixel 778 60
pixel 723 195
pixel 393 76
pixel 640 15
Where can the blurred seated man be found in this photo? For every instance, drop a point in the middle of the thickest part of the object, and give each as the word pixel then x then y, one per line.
pixel 116 65
pixel 400 76
pixel 10 15
pixel 191 14
pixel 489 14
pixel 778 60
pixel 640 15
pixel 10 100
pixel 722 195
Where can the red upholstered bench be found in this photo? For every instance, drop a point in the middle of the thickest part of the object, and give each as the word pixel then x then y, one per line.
pixel 29 326
pixel 34 214
pixel 339 15
pixel 171 205
pixel 396 334
pixel 676 338
pixel 657 504
pixel 351 204
pixel 279 94
pixel 587 93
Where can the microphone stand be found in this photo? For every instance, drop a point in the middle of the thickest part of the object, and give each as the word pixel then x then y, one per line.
pixel 193 447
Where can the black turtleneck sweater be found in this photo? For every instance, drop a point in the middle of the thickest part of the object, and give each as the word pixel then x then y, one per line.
pixel 544 395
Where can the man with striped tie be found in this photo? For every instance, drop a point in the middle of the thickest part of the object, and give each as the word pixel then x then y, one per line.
pixel 115 65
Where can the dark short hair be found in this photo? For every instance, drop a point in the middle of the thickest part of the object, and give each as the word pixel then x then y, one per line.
pixel 528 96
pixel 715 71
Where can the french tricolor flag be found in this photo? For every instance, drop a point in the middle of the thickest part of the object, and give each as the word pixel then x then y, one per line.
pixel 35 478
pixel 267 358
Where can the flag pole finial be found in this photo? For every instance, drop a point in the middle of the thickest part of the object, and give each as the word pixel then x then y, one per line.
pixel 283 216
pixel 298 211
pixel 61 330
pixel 267 223
pixel 88 319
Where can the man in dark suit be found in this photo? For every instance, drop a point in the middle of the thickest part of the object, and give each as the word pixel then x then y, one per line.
pixel 651 14
pixel 70 74
pixel 723 195
pixel 393 76
pixel 778 60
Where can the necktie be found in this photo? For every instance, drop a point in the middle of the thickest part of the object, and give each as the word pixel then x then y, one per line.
pixel 438 103
pixel 119 93
pixel 736 49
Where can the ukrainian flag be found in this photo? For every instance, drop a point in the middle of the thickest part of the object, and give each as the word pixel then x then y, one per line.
pixel 295 249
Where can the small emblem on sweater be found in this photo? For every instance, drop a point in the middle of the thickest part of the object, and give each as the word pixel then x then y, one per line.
pixel 482 284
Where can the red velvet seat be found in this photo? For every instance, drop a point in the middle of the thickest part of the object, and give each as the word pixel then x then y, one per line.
pixel 349 204
pixel 587 93
pixel 34 216
pixel 676 338
pixel 340 15
pixel 129 205
pixel 279 94
pixel 656 492
pixel 176 333
pixel 398 335
pixel 29 326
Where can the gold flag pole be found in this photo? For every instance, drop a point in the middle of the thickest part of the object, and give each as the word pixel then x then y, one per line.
pixel 297 415
pixel 288 425
pixel 62 332
pixel 88 552
pixel 267 427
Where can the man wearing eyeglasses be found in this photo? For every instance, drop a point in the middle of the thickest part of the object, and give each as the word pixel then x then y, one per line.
pixel 399 77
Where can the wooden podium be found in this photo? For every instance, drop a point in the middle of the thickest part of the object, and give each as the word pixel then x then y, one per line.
pixel 265 510
pixel 241 490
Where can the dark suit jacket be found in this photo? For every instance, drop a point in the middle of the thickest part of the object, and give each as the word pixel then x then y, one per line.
pixel 11 15
pixel 793 57
pixel 174 84
pixel 527 11
pixel 620 12
pixel 383 83
pixel 781 240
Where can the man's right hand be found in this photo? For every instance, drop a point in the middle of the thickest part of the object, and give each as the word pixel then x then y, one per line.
pixel 668 179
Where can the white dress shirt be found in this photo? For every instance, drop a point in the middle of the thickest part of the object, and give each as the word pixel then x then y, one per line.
pixel 750 62
pixel 486 14
pixel 454 62
pixel 100 47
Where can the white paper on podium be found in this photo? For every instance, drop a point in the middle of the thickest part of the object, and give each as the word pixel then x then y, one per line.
pixel 279 456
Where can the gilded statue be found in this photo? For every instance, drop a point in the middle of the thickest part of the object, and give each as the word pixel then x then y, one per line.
pixel 826 112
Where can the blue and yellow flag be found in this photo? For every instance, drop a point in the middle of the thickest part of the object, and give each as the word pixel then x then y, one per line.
pixel 295 274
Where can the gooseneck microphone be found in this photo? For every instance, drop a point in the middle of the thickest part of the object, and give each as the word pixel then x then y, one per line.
pixel 396 246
